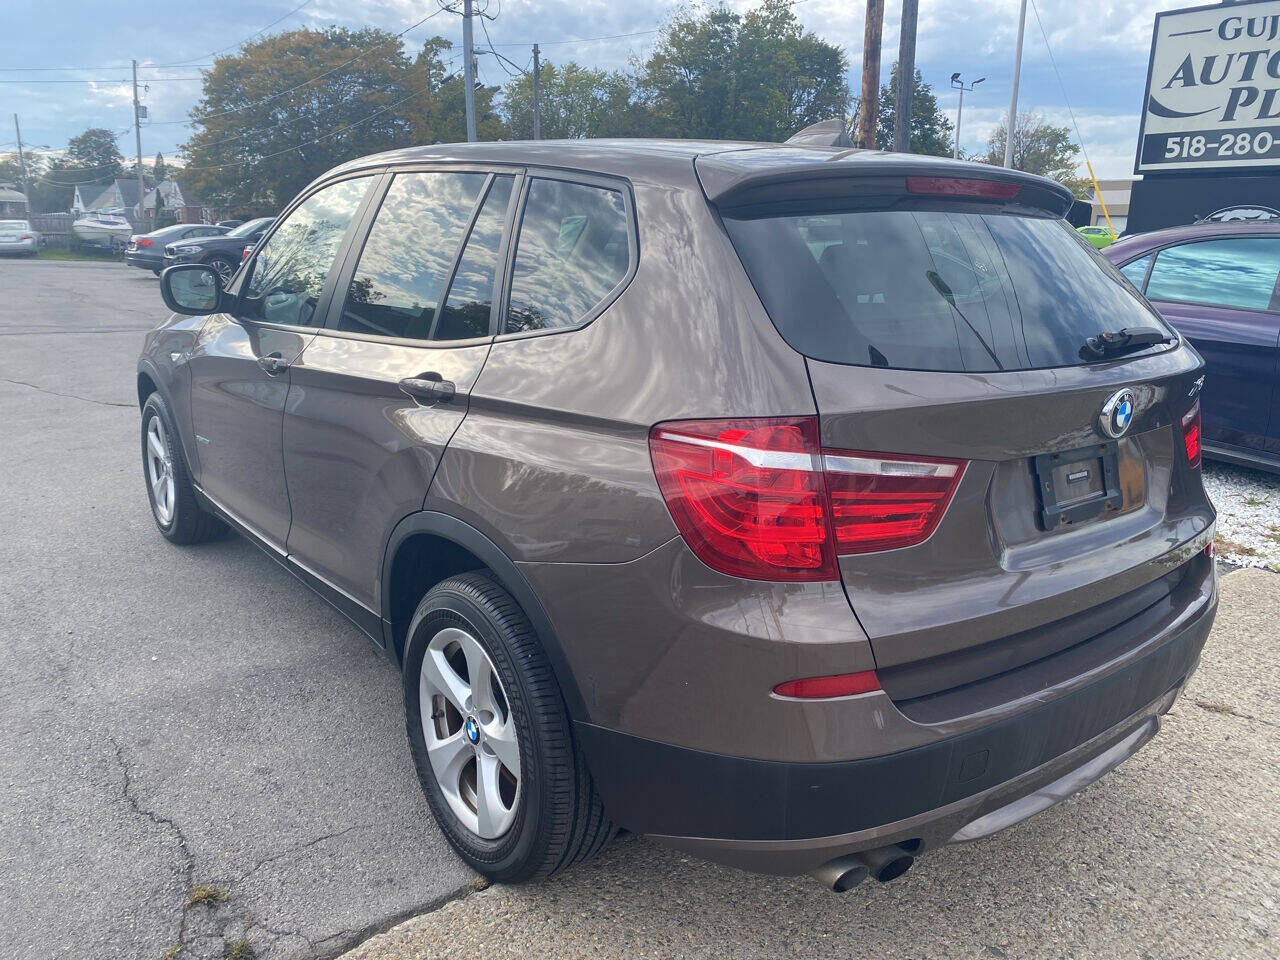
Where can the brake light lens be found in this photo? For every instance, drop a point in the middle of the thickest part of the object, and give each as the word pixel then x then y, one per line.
pixel 144 242
pixel 245 254
pixel 760 499
pixel 963 187
pixel 1191 434
pixel 820 688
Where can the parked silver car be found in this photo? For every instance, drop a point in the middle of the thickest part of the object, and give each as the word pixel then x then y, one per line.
pixel 16 236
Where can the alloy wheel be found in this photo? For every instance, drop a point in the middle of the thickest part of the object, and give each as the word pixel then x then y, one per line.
pixel 160 472
pixel 224 267
pixel 470 733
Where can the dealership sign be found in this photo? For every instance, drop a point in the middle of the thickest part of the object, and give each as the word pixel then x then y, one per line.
pixel 1213 89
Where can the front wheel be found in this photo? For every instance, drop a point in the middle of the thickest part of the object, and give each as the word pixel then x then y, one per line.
pixel 174 506
pixel 226 268
pixel 491 739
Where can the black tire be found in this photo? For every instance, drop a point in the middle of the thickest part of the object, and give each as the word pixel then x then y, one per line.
pixel 190 522
pixel 225 266
pixel 156 272
pixel 559 820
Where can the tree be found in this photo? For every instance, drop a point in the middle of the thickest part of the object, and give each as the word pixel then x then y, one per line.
pixel 932 133
pixel 438 113
pixel 1039 147
pixel 576 102
pixel 289 106
pixel 92 157
pixel 160 173
pixel 758 76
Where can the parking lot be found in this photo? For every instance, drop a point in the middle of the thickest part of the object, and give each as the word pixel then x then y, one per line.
pixel 175 719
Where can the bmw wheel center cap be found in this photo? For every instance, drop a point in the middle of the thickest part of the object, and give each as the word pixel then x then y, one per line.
pixel 472 730
pixel 1117 413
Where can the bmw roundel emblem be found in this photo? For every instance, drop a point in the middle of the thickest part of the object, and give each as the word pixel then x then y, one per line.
pixel 1117 413
pixel 473 730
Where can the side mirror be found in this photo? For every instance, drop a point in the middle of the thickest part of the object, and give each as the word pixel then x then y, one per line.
pixel 191 289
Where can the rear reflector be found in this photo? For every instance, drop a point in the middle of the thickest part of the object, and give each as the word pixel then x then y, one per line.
pixel 962 187
pixel 819 688
pixel 760 499
pixel 1191 434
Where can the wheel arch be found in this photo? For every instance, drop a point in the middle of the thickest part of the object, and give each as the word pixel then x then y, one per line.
pixel 462 543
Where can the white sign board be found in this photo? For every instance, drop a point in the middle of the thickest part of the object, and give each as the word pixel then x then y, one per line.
pixel 1213 89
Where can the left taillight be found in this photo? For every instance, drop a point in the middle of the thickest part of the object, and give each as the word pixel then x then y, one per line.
pixel 144 242
pixel 761 499
pixel 1191 439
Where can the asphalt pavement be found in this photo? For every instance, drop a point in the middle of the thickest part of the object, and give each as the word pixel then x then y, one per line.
pixel 172 716
pixel 193 720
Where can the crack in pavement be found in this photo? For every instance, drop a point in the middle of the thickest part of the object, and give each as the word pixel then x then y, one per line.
pixel 355 938
pixel 298 848
pixel 1231 711
pixel 69 396
pixel 188 859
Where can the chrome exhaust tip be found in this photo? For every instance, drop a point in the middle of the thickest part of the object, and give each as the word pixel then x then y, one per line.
pixel 886 863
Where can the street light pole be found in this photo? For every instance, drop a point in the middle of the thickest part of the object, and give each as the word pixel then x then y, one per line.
pixel 468 72
pixel 1013 96
pixel 537 108
pixel 137 133
pixel 959 84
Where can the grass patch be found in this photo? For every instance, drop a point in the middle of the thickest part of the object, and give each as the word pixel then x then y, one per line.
pixel 173 952
pixel 203 894
pixel 1222 545
pixel 1215 707
pixel 1255 501
pixel 52 253
pixel 240 949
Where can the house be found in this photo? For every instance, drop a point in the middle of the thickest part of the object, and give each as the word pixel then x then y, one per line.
pixel 122 195
pixel 13 203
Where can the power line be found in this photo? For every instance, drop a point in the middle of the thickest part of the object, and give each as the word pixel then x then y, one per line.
pixel 276 96
pixel 121 80
pixel 214 53
pixel 109 66
pixel 1061 85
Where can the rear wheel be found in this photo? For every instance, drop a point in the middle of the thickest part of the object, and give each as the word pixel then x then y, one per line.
pixel 491 739
pixel 177 512
pixel 224 266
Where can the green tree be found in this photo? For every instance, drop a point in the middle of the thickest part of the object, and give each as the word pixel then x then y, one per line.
pixel 575 102
pixel 1040 147
pixel 759 76
pixel 932 133
pixel 160 173
pixel 92 155
pixel 437 114
pixel 290 106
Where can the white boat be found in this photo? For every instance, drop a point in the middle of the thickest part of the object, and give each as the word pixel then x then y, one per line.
pixel 108 228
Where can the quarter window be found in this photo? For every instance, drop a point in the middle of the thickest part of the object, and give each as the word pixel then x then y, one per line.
pixel 1136 270
pixel 290 269
pixel 1230 272
pixel 573 249
pixel 405 263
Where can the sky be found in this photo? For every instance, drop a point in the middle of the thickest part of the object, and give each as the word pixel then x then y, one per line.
pixel 1100 49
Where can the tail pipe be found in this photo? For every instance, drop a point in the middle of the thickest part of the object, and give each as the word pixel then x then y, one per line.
pixel 883 863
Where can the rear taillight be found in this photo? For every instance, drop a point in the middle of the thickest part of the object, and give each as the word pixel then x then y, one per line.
pixel 1191 434
pixel 245 255
pixel 760 499
pixel 144 242
pixel 26 236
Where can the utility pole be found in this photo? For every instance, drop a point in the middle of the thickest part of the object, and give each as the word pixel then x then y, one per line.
pixel 906 77
pixel 1013 97
pixel 468 72
pixel 22 161
pixel 870 74
pixel 537 108
pixel 137 132
pixel 959 84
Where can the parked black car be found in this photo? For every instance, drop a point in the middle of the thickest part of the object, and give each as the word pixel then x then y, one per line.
pixel 223 253
pixel 146 250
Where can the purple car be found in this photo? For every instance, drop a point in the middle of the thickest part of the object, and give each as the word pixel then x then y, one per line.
pixel 1217 284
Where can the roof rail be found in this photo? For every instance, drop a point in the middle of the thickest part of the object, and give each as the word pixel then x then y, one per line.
pixel 824 133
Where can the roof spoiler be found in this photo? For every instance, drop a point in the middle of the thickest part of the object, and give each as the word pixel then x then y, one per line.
pixel 824 133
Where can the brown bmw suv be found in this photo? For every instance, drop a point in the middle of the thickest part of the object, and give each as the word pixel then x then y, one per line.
pixel 803 508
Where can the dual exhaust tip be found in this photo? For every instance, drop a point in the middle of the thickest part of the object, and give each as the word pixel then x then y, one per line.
pixel 882 863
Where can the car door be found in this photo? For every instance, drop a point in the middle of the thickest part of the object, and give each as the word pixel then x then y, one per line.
pixel 1221 294
pixel 240 364
pixel 384 386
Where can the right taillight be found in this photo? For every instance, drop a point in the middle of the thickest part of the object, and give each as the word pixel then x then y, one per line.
pixel 760 499
pixel 1191 434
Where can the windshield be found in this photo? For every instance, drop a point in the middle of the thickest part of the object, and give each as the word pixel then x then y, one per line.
pixel 935 289
pixel 248 228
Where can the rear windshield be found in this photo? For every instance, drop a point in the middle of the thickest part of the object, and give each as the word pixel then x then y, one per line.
pixel 935 289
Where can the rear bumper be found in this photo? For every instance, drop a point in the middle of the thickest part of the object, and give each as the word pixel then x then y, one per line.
pixel 19 246
pixel 779 817
pixel 144 262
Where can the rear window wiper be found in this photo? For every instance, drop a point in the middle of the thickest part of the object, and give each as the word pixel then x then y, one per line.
pixel 1115 343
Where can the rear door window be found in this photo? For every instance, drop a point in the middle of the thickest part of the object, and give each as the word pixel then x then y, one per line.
pixel 934 289
pixel 574 248
pixel 398 283
pixel 1227 272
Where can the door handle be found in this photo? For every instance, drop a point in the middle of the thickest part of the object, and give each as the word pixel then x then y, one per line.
pixel 428 388
pixel 273 363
